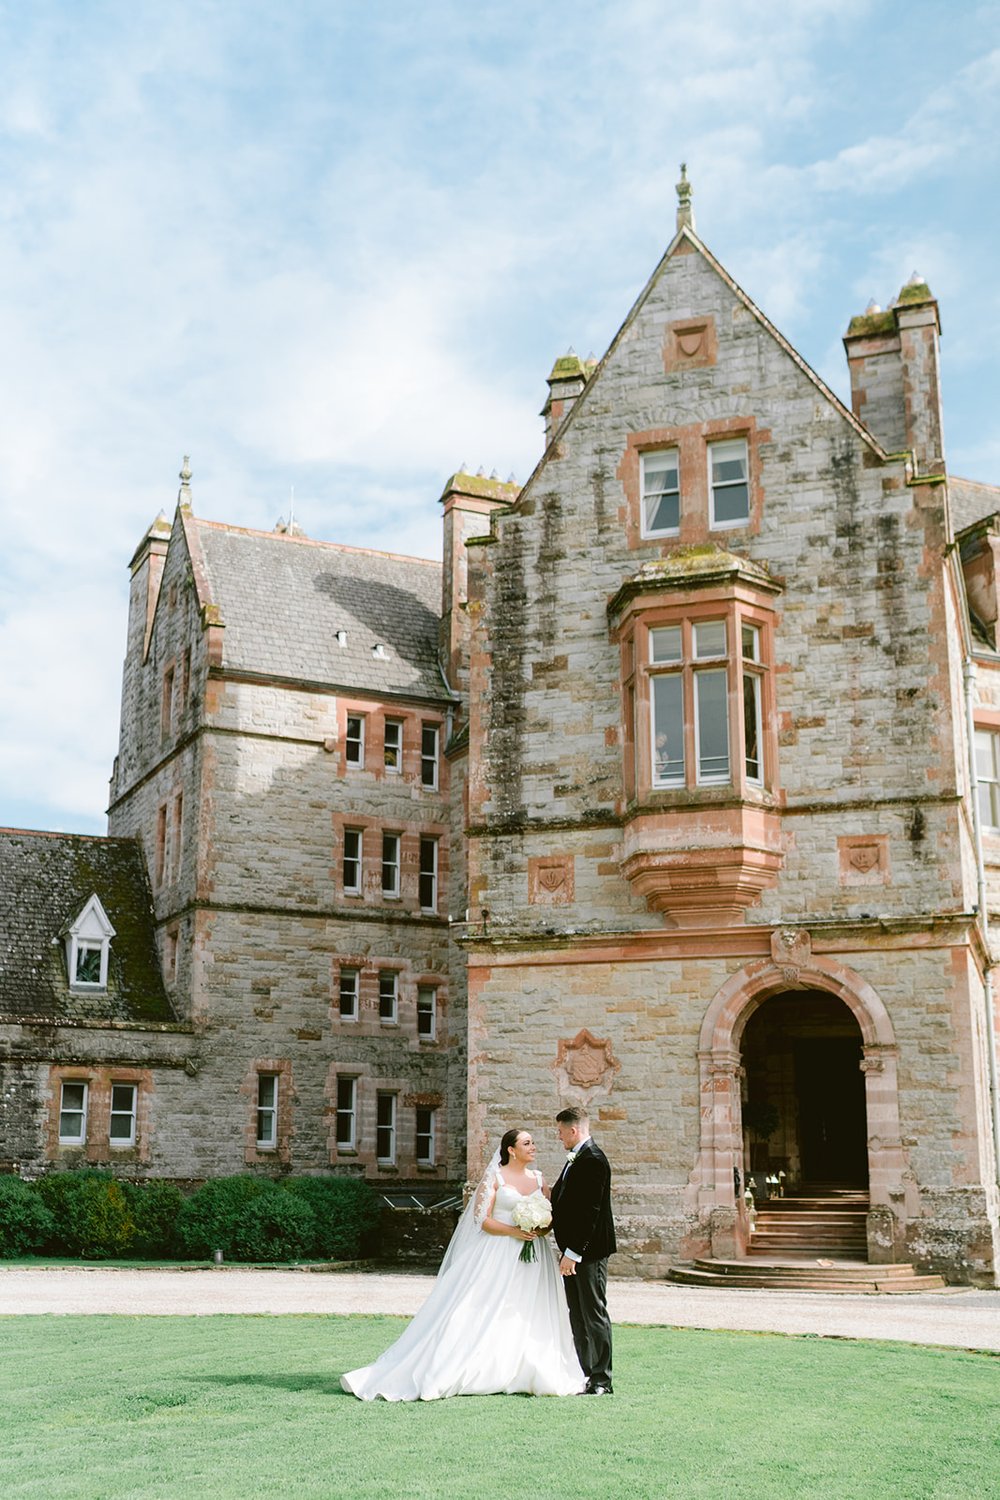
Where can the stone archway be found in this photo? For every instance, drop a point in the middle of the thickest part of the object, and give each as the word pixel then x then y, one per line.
pixel 712 1188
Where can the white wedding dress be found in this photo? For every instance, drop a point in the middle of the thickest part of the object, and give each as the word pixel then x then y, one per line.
pixel 492 1324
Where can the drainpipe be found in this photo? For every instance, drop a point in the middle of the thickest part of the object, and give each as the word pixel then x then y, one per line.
pixel 968 681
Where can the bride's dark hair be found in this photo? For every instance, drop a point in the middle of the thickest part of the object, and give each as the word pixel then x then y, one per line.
pixel 508 1139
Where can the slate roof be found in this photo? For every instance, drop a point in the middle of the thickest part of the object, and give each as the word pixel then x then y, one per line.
pixel 283 599
pixel 45 880
pixel 972 501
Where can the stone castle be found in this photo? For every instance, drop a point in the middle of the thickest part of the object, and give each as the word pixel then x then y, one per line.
pixel 675 790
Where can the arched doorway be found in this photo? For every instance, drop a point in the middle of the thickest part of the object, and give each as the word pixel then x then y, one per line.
pixel 803 1107
pixel 715 1190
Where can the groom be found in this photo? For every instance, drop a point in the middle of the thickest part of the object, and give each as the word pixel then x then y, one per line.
pixel 585 1233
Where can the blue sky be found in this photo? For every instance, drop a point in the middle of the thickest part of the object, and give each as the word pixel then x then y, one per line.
pixel 338 245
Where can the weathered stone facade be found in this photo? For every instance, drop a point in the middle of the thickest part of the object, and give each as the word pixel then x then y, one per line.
pixel 755 921
pixel 711 839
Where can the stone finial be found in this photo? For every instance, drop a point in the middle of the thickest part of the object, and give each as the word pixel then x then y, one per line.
pixel 184 493
pixel 685 210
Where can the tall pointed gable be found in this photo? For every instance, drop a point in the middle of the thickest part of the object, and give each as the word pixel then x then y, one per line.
pixel 687 242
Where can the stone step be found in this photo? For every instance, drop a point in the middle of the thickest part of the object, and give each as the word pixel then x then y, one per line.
pixel 806 1275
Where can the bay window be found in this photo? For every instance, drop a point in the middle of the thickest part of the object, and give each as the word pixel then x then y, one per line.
pixel 705 701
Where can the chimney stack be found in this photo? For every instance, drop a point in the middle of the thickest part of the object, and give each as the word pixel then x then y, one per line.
pixel 894 360
pixel 566 383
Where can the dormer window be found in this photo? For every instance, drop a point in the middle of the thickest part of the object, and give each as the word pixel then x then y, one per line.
pixel 88 946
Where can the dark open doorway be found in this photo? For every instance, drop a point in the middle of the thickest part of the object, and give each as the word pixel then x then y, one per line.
pixel 804 1110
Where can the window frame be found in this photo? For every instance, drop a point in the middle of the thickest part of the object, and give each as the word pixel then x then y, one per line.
pixel 347 1113
pixel 167 682
pixel 428 1033
pixel 431 842
pixel 355 763
pixel 987 731
pixel 430 1135
pixel 388 1014
pixel 433 759
pixel 641 673
pixel 83 1111
pixel 394 866
pixel 270 1142
pixel 646 532
pixel 119 1142
pixel 349 971
pixel 711 445
pixel 392 767
pixel 356 859
pixel 383 1096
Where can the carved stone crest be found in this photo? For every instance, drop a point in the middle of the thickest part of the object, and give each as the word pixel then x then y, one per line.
pixel 791 950
pixel 550 880
pixel 585 1066
pixel 690 343
pixel 864 859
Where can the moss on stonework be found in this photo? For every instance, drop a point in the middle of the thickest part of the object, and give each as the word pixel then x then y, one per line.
pixel 917 291
pixel 874 322
pixel 568 367
pixel 481 487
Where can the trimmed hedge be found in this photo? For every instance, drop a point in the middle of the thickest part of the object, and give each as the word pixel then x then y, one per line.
pixel 346 1212
pixel 93 1214
pixel 25 1223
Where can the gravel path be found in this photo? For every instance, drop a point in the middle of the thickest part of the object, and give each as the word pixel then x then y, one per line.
pixel 962 1318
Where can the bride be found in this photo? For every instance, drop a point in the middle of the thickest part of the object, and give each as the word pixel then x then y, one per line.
pixel 492 1323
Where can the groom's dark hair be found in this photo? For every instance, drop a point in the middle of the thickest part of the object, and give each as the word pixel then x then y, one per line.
pixel 572 1116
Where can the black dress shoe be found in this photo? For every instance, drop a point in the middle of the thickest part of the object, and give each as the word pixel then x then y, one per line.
pixel 599 1390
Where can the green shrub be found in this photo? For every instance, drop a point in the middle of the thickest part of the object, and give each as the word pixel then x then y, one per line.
pixel 91 1211
pixel 346 1211
pixel 25 1222
pixel 212 1217
pixel 274 1226
pixel 155 1207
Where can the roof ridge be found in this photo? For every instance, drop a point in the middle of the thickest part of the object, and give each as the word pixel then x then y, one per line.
pixel 309 541
pixel 54 833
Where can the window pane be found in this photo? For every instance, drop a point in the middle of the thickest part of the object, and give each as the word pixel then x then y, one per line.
pixel 660 493
pixel 426 1011
pixel 730 491
pixel 73 1095
pixel 349 994
pixel 88 964
pixel 712 713
pixel 985 757
pixel 668 730
pixel 393 744
pixel 751 727
pixel 352 859
pixel 710 638
pixel 751 642
pixel 121 1127
pixel 665 643
pixel 354 742
pixel 123 1097
pixel 425 1136
pixel 428 874
pixel 267 1087
pixel 345 1111
pixel 387 996
pixel 390 864
pixel 429 755
pixel 385 1127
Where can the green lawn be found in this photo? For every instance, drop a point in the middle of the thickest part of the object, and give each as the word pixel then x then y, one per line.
pixel 116 1408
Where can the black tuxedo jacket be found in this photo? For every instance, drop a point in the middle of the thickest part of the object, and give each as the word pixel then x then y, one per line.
pixel 581 1205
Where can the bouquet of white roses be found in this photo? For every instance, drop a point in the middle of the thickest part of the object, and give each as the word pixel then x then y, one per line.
pixel 532 1213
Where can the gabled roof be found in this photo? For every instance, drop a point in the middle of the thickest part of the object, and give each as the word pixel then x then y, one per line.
pixel 686 234
pixel 971 502
pixel 46 880
pixel 282 600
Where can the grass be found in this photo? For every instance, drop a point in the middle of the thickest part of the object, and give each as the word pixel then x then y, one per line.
pixel 119 1408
